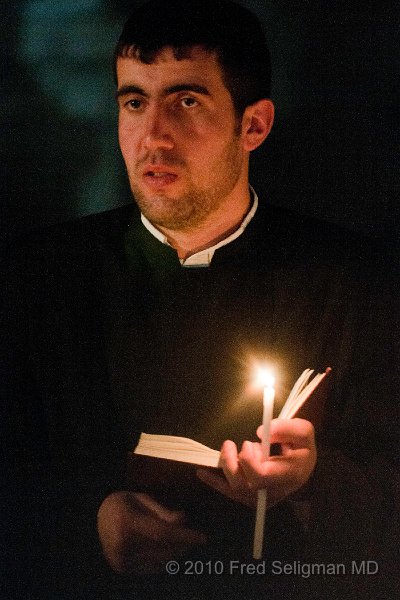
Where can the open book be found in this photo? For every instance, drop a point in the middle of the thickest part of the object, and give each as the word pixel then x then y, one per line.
pixel 188 451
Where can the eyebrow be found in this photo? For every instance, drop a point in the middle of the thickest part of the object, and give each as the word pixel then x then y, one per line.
pixel 173 89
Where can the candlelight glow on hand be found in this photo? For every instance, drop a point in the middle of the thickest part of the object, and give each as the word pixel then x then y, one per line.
pixel 265 379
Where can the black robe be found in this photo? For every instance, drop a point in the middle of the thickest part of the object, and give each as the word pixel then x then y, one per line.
pixel 106 335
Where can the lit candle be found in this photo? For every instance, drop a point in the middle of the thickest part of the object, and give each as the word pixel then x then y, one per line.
pixel 267 381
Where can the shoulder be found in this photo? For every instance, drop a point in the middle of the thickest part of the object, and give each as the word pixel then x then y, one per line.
pixel 69 243
pixel 300 240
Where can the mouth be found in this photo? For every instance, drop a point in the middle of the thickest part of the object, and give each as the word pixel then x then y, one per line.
pixel 159 176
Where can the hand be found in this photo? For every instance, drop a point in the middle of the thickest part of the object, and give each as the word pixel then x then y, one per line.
pixel 139 535
pixel 246 472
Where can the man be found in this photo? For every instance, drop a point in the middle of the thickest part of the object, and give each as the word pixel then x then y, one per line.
pixel 187 149
pixel 143 323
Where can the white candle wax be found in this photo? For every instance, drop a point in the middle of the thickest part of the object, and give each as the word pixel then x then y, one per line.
pixel 268 409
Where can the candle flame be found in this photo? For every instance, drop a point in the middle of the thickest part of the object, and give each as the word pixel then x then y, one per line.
pixel 264 378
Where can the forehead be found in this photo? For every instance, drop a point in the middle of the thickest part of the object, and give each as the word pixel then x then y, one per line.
pixel 199 66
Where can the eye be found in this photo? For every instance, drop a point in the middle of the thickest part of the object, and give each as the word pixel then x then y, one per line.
pixel 134 104
pixel 188 102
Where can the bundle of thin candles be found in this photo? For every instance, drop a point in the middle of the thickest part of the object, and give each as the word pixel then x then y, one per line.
pixel 302 390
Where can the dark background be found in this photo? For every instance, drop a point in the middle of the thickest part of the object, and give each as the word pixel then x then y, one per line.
pixel 332 152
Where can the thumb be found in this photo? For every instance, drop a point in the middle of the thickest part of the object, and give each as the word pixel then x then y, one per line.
pixel 143 501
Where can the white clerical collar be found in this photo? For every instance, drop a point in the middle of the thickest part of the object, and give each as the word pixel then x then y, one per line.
pixel 204 257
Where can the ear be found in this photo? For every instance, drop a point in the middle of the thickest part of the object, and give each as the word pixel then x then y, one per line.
pixel 257 122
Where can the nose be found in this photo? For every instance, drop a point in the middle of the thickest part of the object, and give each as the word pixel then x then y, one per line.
pixel 158 133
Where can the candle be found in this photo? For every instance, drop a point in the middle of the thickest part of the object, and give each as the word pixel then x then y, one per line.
pixel 268 409
pixel 267 381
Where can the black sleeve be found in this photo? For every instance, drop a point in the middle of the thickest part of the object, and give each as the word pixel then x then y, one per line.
pixel 49 543
pixel 355 500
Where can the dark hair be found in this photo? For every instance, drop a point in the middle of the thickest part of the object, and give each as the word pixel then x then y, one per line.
pixel 228 29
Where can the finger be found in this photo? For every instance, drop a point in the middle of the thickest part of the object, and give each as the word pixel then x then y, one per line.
pixel 218 483
pixel 127 527
pixel 231 467
pixel 284 471
pixel 150 527
pixel 152 520
pixel 252 464
pixel 261 473
pixel 221 485
pixel 229 456
pixel 298 433
pixel 169 516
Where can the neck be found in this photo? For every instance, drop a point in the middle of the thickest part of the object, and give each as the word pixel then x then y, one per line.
pixel 215 227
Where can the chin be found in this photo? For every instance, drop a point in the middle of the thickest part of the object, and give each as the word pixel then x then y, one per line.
pixel 160 209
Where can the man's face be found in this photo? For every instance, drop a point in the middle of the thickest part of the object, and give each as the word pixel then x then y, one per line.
pixel 178 136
